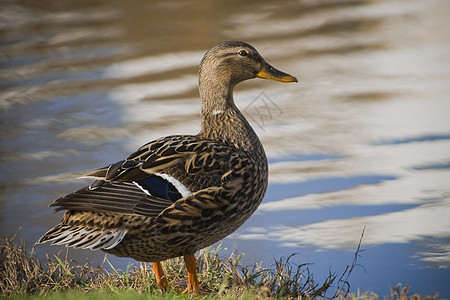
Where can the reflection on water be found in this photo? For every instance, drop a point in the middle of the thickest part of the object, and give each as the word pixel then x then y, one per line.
pixel 363 141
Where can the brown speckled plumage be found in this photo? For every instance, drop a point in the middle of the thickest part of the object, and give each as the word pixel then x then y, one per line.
pixel 178 194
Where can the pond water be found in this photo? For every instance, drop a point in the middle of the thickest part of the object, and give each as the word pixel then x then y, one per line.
pixel 361 142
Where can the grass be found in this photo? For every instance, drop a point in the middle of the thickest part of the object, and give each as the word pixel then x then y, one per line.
pixel 24 276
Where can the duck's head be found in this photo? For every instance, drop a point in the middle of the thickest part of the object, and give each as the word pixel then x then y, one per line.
pixel 231 62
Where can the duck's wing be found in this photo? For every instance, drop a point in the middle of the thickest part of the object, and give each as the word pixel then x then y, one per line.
pixel 153 178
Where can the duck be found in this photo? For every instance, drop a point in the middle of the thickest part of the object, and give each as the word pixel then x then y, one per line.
pixel 180 193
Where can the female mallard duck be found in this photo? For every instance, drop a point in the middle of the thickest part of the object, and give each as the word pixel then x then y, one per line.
pixel 180 193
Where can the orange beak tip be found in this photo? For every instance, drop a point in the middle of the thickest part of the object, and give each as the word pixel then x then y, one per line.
pixel 274 74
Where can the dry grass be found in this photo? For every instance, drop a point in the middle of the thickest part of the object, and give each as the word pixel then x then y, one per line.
pixel 23 275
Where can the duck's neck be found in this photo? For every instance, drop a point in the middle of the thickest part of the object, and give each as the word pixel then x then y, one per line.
pixel 222 120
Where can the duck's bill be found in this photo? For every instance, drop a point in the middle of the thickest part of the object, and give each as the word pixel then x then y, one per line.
pixel 269 72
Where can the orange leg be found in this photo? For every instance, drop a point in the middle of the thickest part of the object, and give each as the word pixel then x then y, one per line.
pixel 161 278
pixel 191 266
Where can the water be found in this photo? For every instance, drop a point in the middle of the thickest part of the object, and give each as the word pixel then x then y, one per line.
pixel 363 141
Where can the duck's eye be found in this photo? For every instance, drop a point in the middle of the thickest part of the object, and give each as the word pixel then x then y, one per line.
pixel 242 53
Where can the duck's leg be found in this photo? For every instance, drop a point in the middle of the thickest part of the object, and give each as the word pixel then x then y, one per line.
pixel 191 266
pixel 161 278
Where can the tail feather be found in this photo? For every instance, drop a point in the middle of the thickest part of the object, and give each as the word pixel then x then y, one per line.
pixel 82 237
